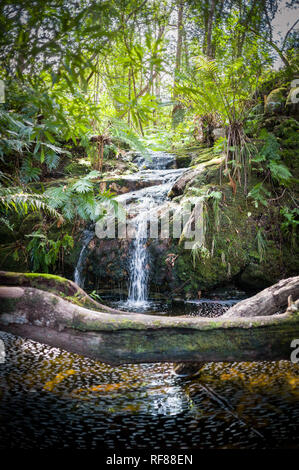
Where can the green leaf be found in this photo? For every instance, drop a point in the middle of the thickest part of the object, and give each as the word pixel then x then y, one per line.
pixel 42 155
pixel 82 186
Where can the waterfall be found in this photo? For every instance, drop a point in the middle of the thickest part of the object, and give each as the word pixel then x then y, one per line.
pixel 139 265
pixel 78 274
pixel 152 183
pixel 142 202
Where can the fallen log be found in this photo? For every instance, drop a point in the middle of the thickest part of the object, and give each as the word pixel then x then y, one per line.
pixel 57 285
pixel 136 338
pixel 268 301
pixel 187 177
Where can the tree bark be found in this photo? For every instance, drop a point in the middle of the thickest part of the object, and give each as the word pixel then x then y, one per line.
pixel 57 285
pixel 137 338
pixel 267 302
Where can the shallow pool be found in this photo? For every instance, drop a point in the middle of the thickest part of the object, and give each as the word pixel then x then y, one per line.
pixel 50 398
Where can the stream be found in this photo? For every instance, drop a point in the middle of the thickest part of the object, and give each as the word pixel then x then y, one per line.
pixel 53 399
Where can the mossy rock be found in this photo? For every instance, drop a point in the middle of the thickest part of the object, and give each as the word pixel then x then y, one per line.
pixel 254 277
pixel 183 161
pixel 276 264
pixel 78 168
pixel 210 174
pixel 233 242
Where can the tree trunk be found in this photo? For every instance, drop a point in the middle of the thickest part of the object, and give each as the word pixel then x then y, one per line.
pixel 129 96
pixel 178 59
pixel 137 338
pixel 268 301
pixel 57 285
pixel 209 30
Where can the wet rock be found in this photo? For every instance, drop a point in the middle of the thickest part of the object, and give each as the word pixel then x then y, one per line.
pixel 189 369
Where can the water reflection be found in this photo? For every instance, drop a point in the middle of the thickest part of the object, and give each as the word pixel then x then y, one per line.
pixel 53 399
pixel 194 308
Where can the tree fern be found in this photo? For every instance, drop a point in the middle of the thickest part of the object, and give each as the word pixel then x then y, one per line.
pixel 210 87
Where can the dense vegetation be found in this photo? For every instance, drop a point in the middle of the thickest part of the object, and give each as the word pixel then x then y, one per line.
pixel 86 80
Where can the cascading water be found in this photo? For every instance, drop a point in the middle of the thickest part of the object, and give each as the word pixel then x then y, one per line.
pixel 138 289
pixel 78 274
pixel 141 204
pixel 157 175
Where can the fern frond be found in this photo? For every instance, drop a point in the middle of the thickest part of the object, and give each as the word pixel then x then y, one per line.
pixel 21 202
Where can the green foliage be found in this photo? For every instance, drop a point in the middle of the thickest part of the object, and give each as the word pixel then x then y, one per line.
pixel 95 296
pixel 279 172
pixel 44 252
pixel 226 90
pixel 76 69
pixel 268 163
pixel 80 199
pixel 125 134
pixel 216 197
pixel 269 157
pixel 290 223
pixel 14 199
pixel 6 223
pixel 199 253
pixel 25 139
pixel 78 168
pixel 261 244
pixel 290 217
pixel 215 87
pixel 259 194
pixel 29 172
pixel 199 250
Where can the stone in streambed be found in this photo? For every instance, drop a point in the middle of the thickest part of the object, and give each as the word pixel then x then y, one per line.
pixel 188 369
